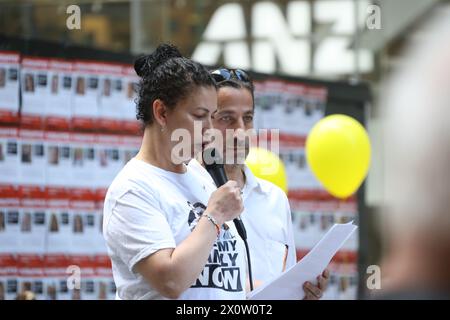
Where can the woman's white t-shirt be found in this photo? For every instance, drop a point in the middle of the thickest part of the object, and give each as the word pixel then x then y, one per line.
pixel 147 209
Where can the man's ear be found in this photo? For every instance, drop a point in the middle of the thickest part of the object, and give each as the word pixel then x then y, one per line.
pixel 160 112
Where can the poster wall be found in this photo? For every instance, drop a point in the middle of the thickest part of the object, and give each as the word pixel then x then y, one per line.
pixel 294 108
pixel 67 127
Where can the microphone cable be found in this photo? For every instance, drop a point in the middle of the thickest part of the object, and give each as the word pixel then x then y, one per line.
pixel 217 172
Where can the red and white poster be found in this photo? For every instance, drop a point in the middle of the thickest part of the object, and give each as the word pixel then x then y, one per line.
pixel 130 147
pixel 9 219
pixel 56 277
pixel 106 289
pixel 84 225
pixel 32 157
pixel 9 155
pixel 35 91
pixel 33 220
pixel 59 159
pixel 85 111
pixel 8 277
pixel 84 158
pixel 9 86
pixel 111 97
pixel 31 274
pixel 110 158
pixel 270 105
pixel 291 107
pixel 59 99
pixel 87 267
pixel 131 80
pixel 60 225
pixel 293 155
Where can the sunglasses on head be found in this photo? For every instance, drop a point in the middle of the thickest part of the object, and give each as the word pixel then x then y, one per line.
pixel 227 74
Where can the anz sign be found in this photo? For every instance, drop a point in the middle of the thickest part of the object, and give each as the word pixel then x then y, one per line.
pixel 286 42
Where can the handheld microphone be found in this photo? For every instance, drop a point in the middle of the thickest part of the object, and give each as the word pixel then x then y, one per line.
pixel 214 165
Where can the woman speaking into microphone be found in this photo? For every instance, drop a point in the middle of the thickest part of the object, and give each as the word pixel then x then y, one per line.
pixel 166 232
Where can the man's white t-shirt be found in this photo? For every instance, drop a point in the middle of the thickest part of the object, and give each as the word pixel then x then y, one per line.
pixel 147 209
pixel 267 220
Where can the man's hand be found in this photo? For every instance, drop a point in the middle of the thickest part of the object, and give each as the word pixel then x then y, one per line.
pixel 313 292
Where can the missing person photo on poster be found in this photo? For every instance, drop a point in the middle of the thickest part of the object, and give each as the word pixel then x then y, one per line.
pixel 59 100
pixel 8 277
pixel 59 159
pixel 33 162
pixel 59 231
pixel 111 97
pixel 9 155
pixel 33 230
pixel 36 89
pixel 83 159
pixel 85 107
pixel 9 86
pixel 9 228
pixel 129 94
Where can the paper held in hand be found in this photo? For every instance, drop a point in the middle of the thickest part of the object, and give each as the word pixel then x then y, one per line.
pixel 289 285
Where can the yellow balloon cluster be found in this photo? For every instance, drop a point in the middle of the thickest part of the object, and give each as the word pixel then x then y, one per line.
pixel 338 153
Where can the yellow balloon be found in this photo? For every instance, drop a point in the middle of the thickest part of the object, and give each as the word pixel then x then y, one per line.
pixel 267 165
pixel 338 153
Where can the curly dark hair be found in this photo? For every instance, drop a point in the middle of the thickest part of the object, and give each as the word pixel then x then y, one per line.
pixel 168 76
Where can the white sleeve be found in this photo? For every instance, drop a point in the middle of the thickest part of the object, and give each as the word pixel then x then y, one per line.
pixel 292 253
pixel 137 228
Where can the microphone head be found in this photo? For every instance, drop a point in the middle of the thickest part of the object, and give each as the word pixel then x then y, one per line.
pixel 213 163
pixel 212 159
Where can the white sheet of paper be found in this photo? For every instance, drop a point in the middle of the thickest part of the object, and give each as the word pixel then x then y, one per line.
pixel 288 286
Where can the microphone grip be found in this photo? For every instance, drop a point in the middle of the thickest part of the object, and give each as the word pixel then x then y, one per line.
pixel 219 177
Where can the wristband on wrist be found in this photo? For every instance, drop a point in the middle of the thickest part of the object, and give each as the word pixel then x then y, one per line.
pixel 214 222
